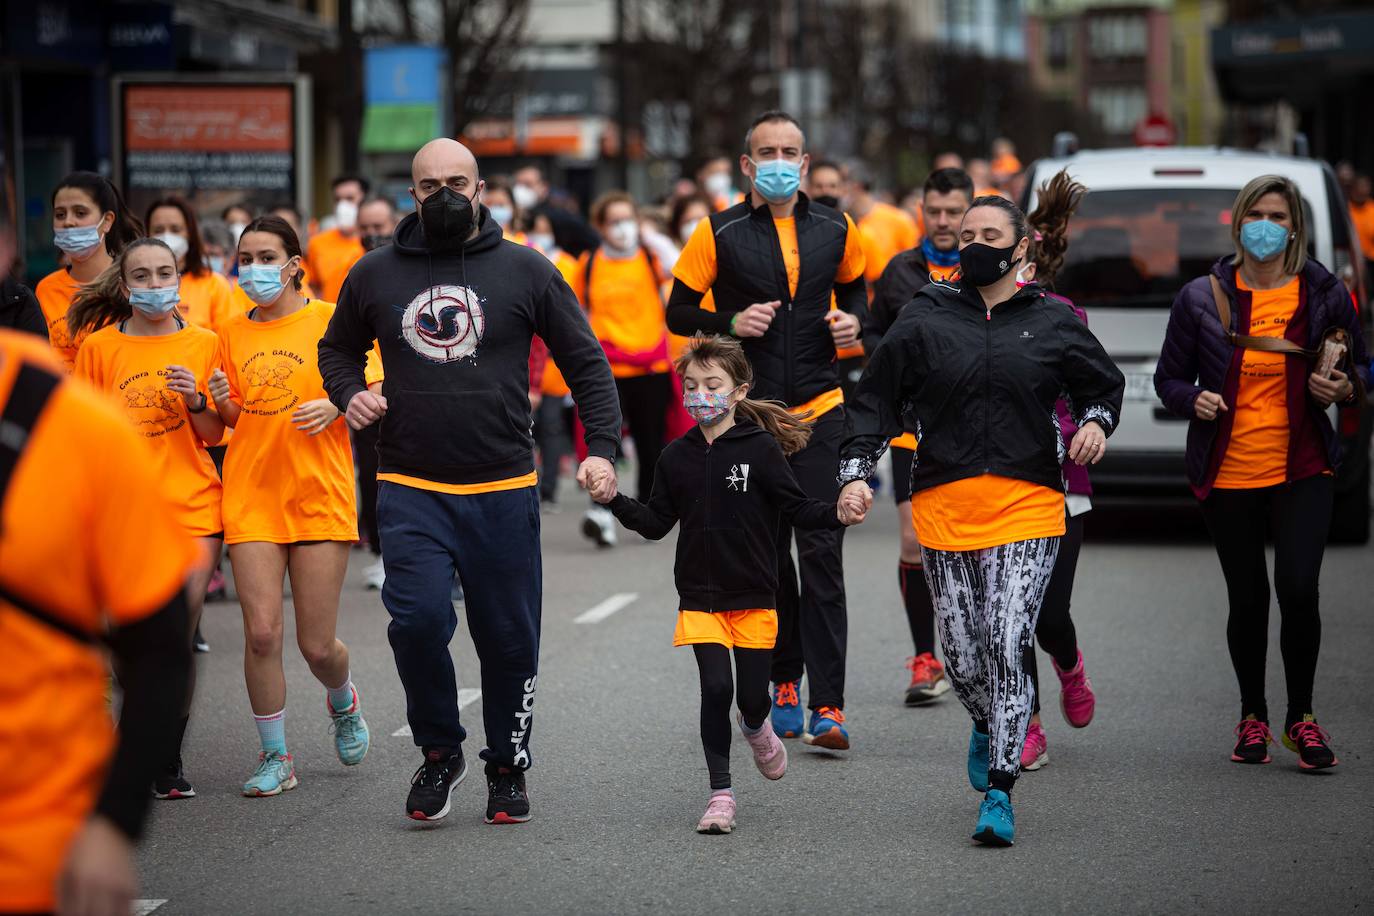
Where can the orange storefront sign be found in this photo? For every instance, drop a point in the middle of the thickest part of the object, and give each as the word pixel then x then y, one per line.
pixel 221 119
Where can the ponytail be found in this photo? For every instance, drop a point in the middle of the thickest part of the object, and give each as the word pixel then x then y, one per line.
pixel 1056 201
pixel 103 302
pixel 126 228
pixel 791 432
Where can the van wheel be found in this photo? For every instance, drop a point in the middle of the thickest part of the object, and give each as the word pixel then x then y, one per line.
pixel 1350 517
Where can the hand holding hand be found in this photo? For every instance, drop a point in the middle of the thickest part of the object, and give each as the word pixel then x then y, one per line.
pixel 597 477
pixel 844 328
pixel 1089 444
pixel 755 320
pixel 855 500
pixel 313 416
pixel 365 408
pixel 1208 405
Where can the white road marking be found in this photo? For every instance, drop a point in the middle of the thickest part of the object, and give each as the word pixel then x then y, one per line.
pixel 144 907
pixel 466 697
pixel 607 608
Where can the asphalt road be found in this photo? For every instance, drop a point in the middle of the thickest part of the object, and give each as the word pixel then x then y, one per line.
pixel 1140 812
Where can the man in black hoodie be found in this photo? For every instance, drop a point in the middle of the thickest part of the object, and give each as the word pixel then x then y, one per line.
pixel 453 308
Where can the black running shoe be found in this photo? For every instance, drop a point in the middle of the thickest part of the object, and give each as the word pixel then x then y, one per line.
pixel 431 788
pixel 1310 741
pixel 507 800
pixel 171 783
pixel 199 643
pixel 1252 741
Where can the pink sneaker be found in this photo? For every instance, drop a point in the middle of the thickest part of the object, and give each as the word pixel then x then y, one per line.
pixel 770 756
pixel 1035 752
pixel 1075 694
pixel 720 813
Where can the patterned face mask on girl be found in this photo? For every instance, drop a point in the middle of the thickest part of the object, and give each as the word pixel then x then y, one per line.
pixel 707 407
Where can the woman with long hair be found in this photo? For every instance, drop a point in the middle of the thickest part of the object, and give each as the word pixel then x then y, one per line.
pixel 1262 454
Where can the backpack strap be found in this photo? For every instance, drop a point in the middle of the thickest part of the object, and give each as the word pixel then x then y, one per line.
pixel 33 389
pixel 1244 341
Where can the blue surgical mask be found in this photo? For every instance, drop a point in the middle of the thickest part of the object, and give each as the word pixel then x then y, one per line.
pixel 1263 239
pixel 79 241
pixel 777 180
pixel 262 282
pixel 157 301
pixel 502 215
pixel 216 263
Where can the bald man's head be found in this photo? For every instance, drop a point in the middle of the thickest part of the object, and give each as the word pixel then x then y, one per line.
pixel 444 162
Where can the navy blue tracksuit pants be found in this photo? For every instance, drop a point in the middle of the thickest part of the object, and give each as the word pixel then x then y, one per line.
pixel 492 541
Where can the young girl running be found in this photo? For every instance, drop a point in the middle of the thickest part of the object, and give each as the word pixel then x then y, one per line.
pixel 156 364
pixel 289 503
pixel 727 481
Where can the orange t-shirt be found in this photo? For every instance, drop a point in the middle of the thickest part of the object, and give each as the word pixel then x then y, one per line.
pixel 87 535
pixel 205 299
pixel 329 257
pixel 986 511
pixel 1362 215
pixel 55 293
pixel 625 309
pixel 554 385
pixel 887 231
pixel 130 370
pixel 282 485
pixel 1257 453
pixel 697 264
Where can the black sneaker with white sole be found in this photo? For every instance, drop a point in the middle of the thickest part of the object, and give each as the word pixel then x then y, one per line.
pixel 200 645
pixel 431 788
pixel 172 783
pixel 507 800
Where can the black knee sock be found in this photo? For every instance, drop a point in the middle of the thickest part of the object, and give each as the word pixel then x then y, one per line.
pixel 920 610
pixel 999 779
pixel 717 689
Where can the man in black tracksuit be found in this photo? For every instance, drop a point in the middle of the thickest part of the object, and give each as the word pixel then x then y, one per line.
pixel 771 263
pixel 454 308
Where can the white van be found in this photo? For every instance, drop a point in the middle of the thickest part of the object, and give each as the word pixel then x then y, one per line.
pixel 1153 219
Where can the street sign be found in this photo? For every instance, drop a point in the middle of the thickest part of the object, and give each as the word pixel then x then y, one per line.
pixel 1156 130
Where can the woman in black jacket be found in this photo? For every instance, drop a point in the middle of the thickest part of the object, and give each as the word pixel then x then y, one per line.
pixel 979 366
pixel 727 481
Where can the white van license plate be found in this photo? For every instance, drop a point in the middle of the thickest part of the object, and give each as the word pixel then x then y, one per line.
pixel 1140 386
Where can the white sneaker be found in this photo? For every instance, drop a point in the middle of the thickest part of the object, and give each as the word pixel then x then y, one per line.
pixel 375 575
pixel 599 526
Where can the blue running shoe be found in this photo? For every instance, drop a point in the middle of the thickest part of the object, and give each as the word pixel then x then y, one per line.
pixel 787 711
pixel 996 823
pixel 978 760
pixel 351 737
pixel 275 774
pixel 826 729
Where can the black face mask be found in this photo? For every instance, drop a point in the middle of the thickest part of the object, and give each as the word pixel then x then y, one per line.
pixel 982 265
pixel 828 200
pixel 447 218
pixel 372 242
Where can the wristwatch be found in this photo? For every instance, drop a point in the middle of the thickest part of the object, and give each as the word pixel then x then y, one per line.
pixel 204 403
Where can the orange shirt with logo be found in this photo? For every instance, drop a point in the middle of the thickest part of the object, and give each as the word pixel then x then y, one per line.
pixel 205 299
pixel 1257 453
pixel 55 293
pixel 329 257
pixel 887 231
pixel 131 370
pixel 282 485
pixel 986 511
pixel 697 265
pixel 87 535
pixel 625 309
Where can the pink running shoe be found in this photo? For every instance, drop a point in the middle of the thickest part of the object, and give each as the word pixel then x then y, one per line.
pixel 1035 752
pixel 770 756
pixel 720 813
pixel 1075 694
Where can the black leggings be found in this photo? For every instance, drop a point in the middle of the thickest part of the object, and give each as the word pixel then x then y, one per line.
pixel 717 689
pixel 1298 515
pixel 1054 630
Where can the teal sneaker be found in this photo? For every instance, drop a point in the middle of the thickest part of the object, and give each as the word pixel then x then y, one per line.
pixel 978 760
pixel 996 823
pixel 787 710
pixel 351 737
pixel 275 774
pixel 826 729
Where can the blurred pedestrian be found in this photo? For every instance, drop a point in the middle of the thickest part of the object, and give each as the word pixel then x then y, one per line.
pixel 219 248
pixel 947 195
pixel 237 217
pixel 458 486
pixel 1262 453
pixel 885 229
pixel 1362 215
pixel 531 189
pixel 204 294
pixel 376 222
pixel 146 355
pixel 91 225
pixel 750 258
pixel 715 177
pixel 989 507
pixel 333 252
pixel 825 184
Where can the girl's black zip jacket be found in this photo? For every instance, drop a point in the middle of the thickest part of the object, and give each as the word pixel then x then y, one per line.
pixel 981 385
pixel 728 496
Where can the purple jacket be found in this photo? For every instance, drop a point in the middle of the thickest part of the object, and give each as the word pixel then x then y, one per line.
pixel 1076 478
pixel 1196 357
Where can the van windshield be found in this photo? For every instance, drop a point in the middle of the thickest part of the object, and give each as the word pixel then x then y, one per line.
pixel 1136 248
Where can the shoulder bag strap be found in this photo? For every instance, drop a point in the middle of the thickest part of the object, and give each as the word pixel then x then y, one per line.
pixel 1244 341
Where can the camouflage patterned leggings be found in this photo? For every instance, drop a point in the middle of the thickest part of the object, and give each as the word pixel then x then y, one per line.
pixel 986 604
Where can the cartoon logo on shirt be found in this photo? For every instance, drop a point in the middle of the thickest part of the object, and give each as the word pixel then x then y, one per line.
pixel 152 406
pixel 444 323
pixel 267 381
pixel 739 478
